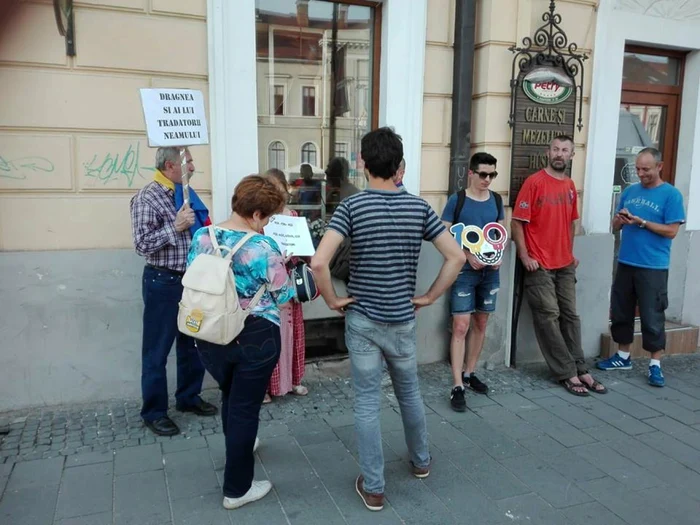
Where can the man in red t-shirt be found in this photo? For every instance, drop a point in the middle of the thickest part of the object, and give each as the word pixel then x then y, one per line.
pixel 543 231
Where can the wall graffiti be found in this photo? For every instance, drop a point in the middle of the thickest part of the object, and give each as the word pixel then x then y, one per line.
pixel 20 168
pixel 121 166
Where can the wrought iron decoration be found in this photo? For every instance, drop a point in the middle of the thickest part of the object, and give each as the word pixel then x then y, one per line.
pixel 548 47
pixel 63 10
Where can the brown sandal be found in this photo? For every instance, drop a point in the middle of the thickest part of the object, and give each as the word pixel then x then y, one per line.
pixel 594 386
pixel 566 383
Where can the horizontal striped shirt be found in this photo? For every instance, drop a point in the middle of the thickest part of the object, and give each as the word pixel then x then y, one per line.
pixel 386 231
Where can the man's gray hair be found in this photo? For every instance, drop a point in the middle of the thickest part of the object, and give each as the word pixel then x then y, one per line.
pixel 653 152
pixel 167 154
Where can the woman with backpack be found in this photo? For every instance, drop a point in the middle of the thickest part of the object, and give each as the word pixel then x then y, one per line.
pixel 286 378
pixel 243 367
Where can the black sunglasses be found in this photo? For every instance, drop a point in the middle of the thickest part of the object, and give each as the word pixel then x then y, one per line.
pixel 483 175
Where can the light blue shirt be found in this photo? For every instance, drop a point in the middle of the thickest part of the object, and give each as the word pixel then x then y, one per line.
pixel 638 246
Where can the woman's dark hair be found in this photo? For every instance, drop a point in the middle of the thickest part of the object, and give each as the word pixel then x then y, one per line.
pixel 382 151
pixel 337 170
pixel 256 193
pixel 279 176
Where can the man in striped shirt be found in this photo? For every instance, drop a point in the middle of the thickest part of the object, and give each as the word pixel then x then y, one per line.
pixel 387 227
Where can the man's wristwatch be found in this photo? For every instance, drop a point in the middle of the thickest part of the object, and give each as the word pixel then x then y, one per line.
pixel 643 224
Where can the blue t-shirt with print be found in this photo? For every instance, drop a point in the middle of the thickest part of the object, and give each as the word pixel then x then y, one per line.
pixel 638 246
pixel 474 213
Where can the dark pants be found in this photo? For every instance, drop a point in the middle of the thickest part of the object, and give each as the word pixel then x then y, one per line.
pixel 243 369
pixel 162 291
pixel 647 288
pixel 552 298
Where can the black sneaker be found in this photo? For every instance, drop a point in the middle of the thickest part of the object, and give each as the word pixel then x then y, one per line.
pixel 459 404
pixel 475 384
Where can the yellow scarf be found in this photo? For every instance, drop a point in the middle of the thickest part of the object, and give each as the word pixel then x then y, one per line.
pixel 164 181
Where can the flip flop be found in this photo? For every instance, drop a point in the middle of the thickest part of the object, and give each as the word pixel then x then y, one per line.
pixel 566 383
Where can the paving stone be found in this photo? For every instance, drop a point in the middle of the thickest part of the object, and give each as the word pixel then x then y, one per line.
pixel 39 473
pixel 681 432
pixel 514 402
pixel 348 437
pixel 103 518
pixel 178 445
pixel 85 490
pixel 572 414
pixel 301 492
pixel 494 442
pixel 32 505
pixel 138 459
pixel 141 499
pixel 530 508
pixel 338 470
pixel 553 487
pixel 617 466
pixel 205 510
pixel 457 492
pixel 628 405
pixel 560 430
pixel 628 505
pixel 588 513
pixel 676 504
pixel 673 448
pixel 190 473
pixel 492 478
pixel 89 458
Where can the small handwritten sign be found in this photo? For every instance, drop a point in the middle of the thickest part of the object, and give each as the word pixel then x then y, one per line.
pixel 174 117
pixel 292 234
pixel 485 244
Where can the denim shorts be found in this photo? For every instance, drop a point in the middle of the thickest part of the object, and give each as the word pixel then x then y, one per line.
pixel 475 291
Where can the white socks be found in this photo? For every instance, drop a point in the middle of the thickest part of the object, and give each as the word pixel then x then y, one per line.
pixel 623 355
pixel 656 362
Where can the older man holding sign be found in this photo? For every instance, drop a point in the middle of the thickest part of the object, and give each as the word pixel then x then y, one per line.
pixel 164 215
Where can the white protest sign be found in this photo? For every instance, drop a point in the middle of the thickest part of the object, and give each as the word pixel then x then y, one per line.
pixel 292 234
pixel 486 244
pixel 174 117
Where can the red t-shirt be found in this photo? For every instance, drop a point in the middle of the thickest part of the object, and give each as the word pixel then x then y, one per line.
pixel 548 206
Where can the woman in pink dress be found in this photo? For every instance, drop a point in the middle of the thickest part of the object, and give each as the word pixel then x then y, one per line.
pixel 286 378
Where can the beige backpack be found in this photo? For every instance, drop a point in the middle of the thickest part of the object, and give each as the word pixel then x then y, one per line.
pixel 209 308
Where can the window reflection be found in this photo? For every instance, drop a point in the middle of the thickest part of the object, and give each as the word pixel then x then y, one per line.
pixel 640 68
pixel 314 85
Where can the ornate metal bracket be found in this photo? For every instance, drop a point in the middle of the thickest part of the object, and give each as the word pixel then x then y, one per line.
pixel 65 20
pixel 548 47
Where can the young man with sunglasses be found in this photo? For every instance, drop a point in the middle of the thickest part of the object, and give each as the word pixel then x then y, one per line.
pixel 475 290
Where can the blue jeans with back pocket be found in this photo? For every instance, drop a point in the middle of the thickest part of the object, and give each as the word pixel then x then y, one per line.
pixel 367 342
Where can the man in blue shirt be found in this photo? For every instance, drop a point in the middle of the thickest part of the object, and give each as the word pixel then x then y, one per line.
pixel 649 215
pixel 475 290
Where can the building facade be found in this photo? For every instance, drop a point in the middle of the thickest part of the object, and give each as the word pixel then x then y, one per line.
pixel 288 82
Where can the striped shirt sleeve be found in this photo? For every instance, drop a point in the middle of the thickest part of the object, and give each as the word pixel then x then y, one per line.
pixel 340 222
pixel 432 227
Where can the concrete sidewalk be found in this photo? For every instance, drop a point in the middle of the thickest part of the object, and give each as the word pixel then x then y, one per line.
pixel 527 453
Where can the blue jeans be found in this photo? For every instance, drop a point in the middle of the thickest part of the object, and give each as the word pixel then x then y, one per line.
pixel 243 369
pixel 475 291
pixel 367 342
pixel 162 291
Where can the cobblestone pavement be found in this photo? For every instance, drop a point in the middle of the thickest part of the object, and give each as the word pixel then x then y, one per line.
pixel 527 453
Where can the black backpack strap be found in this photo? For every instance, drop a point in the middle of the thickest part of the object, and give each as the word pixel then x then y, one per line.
pixel 499 205
pixel 461 197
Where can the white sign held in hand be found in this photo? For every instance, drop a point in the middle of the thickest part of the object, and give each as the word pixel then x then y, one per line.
pixel 292 234
pixel 174 117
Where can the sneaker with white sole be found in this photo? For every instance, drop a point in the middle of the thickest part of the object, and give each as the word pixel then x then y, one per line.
pixel 615 363
pixel 258 490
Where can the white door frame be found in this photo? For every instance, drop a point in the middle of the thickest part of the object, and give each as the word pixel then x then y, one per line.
pixel 233 98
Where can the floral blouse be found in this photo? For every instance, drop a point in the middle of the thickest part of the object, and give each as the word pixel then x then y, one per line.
pixel 259 261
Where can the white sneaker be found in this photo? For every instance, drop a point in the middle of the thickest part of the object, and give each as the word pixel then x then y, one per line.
pixel 258 490
pixel 256 445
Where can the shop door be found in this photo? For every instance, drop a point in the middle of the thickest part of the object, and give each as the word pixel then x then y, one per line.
pixel 649 116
